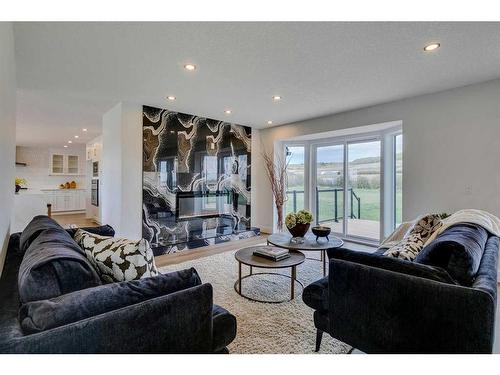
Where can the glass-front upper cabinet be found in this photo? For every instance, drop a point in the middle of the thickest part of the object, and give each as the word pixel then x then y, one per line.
pixel 61 164
pixel 57 166
pixel 72 164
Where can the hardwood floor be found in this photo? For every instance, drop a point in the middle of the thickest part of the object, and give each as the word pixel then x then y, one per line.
pixel 183 256
pixel 78 219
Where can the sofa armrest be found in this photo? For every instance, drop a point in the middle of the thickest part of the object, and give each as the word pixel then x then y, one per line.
pixel 382 311
pixel 180 322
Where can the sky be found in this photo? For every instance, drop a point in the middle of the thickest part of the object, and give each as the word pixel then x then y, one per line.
pixel 329 154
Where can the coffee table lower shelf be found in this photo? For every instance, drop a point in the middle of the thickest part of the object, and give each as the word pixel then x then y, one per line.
pixel 293 280
pixel 245 256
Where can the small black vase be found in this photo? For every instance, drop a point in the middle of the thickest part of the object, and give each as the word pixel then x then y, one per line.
pixel 18 187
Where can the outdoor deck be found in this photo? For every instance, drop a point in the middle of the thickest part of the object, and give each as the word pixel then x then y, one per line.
pixel 357 227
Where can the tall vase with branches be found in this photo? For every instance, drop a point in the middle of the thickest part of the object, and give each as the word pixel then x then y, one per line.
pixel 276 169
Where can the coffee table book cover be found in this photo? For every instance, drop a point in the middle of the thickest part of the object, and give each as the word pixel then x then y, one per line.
pixel 273 253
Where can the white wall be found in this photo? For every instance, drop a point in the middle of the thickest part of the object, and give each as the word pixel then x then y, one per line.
pixel 37 170
pixel 121 188
pixel 131 225
pixel 450 156
pixel 7 132
pixel 110 188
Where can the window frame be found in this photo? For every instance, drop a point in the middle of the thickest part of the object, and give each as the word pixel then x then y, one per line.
pixel 387 139
pixel 395 175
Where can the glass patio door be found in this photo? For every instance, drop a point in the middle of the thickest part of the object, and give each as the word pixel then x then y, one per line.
pixel 351 208
pixel 329 189
pixel 363 189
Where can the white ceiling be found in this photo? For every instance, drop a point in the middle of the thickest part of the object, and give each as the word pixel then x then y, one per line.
pixel 69 74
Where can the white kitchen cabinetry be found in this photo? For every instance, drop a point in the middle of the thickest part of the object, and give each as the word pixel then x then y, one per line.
pixel 61 164
pixel 65 200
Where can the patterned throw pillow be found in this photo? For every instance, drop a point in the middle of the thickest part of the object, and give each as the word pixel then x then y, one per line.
pixel 117 259
pixel 413 242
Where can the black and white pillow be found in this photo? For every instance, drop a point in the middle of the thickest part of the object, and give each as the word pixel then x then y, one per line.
pixel 413 242
pixel 117 259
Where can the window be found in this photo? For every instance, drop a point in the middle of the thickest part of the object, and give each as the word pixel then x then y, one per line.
pixel 398 179
pixel 355 182
pixel 329 194
pixel 363 189
pixel 295 156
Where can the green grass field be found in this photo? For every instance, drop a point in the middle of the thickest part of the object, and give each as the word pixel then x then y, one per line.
pixel 370 204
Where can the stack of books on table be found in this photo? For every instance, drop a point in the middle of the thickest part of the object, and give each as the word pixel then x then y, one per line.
pixel 273 253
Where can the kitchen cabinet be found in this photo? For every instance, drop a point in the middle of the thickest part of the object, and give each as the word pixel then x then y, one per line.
pixel 62 164
pixel 94 152
pixel 65 200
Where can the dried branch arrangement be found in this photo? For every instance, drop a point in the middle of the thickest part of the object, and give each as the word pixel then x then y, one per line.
pixel 276 169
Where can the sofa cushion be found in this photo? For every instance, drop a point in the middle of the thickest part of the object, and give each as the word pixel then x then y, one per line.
pixel 458 250
pixel 46 314
pixel 53 265
pixel 117 259
pixel 224 328
pixel 34 228
pixel 414 240
pixel 393 264
pixel 315 295
pixel 102 230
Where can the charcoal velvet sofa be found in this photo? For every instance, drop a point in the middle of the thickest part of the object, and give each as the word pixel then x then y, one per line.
pixel 52 301
pixel 443 302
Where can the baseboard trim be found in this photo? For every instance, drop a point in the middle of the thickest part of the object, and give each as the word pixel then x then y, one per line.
pixel 60 213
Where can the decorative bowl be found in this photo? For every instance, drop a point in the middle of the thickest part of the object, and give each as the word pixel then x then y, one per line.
pixel 299 230
pixel 321 231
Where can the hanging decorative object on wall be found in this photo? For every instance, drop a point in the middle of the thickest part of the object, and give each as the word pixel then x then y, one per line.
pixel 196 181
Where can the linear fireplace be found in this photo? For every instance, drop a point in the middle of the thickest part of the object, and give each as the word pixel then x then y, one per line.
pixel 200 204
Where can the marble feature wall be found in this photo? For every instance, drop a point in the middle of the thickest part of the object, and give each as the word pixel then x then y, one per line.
pixel 196 181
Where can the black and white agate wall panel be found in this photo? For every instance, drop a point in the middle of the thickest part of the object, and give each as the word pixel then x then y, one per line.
pixel 196 181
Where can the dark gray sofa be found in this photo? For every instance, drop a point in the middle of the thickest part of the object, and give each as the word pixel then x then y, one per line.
pixel 443 302
pixel 52 302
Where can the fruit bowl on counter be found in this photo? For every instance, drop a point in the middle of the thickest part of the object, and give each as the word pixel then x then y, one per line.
pixel 68 185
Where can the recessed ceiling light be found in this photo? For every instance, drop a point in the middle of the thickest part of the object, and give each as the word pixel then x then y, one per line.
pixel 269 122
pixel 171 97
pixel 77 136
pixel 276 98
pixel 65 146
pixel 227 111
pixel 431 47
pixel 70 141
pixel 84 129
pixel 189 66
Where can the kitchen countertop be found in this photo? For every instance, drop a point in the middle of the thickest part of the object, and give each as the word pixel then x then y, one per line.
pixel 59 189
pixel 28 192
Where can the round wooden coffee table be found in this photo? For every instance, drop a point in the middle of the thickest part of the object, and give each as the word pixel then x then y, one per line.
pixel 310 244
pixel 245 256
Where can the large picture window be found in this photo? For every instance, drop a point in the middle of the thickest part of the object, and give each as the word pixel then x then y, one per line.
pixel 347 190
pixel 295 157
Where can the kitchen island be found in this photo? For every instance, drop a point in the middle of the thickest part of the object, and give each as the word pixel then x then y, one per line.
pixel 28 203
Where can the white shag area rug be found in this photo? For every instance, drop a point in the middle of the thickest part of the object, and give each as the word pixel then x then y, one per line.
pixel 264 328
